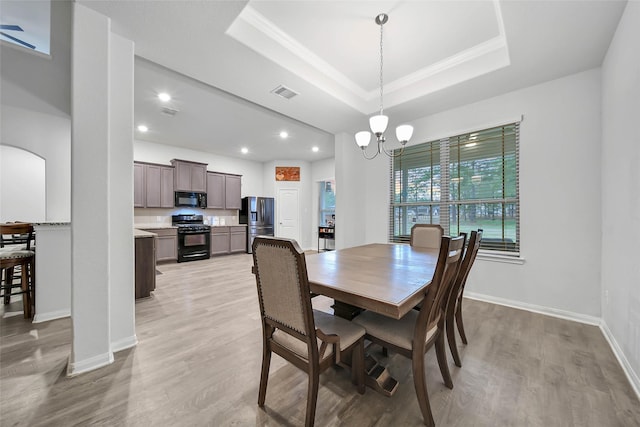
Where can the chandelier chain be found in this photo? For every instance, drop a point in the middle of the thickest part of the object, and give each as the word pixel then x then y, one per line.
pixel 381 62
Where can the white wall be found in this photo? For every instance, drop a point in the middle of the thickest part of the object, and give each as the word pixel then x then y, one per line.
pixel 559 191
pixel 621 190
pixel 35 114
pixel 48 136
pixel 251 171
pixel 22 186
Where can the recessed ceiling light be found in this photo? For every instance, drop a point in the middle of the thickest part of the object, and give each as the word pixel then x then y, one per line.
pixel 164 97
pixel 284 134
pixel 315 149
pixel 143 128
pixel 244 150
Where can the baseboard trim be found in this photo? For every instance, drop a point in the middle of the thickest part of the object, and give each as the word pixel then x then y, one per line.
pixel 553 312
pixel 631 375
pixel 633 378
pixel 90 364
pixel 124 343
pixel 51 315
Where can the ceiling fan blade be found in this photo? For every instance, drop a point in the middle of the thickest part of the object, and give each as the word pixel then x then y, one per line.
pixel 29 45
pixel 10 27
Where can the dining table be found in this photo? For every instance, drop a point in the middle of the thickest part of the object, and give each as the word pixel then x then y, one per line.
pixel 387 278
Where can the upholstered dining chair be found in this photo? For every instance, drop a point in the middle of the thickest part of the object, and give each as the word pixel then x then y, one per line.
pixel 426 235
pixel 311 340
pixel 14 257
pixel 416 332
pixel 454 306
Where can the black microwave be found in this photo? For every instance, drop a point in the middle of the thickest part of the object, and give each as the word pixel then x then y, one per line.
pixel 190 199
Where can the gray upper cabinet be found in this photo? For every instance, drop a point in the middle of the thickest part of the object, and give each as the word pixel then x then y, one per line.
pixel 138 185
pixel 153 185
pixel 159 186
pixel 190 176
pixel 223 191
pixel 233 199
pixel 215 190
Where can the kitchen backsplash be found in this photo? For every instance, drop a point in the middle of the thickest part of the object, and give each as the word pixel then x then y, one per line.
pixel 163 216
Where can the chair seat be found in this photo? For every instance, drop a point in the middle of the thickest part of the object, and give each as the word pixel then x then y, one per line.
pixel 329 324
pixel 8 253
pixel 348 332
pixel 396 332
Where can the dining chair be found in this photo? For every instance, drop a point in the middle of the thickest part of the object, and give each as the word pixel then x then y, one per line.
pixel 309 339
pixel 454 307
pixel 14 257
pixel 417 331
pixel 426 235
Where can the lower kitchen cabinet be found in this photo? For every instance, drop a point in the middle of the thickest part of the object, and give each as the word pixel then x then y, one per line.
pixel 228 240
pixel 219 240
pixel 145 266
pixel 238 239
pixel 166 243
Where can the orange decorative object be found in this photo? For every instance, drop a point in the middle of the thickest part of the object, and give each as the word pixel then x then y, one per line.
pixel 287 173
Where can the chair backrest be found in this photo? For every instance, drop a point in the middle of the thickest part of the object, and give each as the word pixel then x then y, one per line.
pixel 467 263
pixel 426 235
pixel 16 233
pixel 447 267
pixel 283 288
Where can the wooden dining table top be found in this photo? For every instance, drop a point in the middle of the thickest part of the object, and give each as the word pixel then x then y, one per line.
pixel 389 279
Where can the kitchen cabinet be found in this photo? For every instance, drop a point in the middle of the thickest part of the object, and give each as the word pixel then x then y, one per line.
pixel 228 240
pixel 166 243
pixel 138 185
pixel 223 191
pixel 159 186
pixel 153 185
pixel 190 176
pixel 233 199
pixel 145 265
pixel 215 190
pixel 238 239
pixel 219 240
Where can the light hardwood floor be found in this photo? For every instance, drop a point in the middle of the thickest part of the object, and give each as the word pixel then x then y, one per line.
pixel 197 363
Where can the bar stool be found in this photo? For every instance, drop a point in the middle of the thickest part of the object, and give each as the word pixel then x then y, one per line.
pixel 17 256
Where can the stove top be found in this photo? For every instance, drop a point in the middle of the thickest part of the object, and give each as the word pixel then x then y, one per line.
pixel 189 222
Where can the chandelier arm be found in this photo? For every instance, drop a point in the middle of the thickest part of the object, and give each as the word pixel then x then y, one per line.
pixel 364 154
pixel 390 153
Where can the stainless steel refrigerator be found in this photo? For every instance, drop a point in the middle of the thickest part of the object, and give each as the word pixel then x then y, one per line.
pixel 257 213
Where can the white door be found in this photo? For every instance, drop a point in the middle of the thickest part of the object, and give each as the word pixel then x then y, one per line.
pixel 288 214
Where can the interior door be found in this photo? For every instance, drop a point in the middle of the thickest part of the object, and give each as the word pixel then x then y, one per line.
pixel 288 214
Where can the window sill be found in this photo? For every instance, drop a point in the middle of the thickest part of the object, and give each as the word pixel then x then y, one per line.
pixel 507 259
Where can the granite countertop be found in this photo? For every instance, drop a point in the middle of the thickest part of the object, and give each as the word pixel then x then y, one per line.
pixel 229 225
pixel 154 226
pixel 141 233
pixel 52 223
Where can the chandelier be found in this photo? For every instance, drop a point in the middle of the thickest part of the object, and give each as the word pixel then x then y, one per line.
pixel 378 123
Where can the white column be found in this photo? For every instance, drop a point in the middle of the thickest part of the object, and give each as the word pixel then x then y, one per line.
pixel 350 192
pixel 121 243
pixel 100 190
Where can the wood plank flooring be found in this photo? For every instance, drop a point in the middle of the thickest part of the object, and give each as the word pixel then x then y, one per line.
pixel 197 363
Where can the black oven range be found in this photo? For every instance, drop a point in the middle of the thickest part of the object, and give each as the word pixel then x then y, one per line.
pixel 193 237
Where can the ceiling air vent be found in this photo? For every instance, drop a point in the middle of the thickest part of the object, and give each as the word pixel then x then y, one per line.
pixel 169 111
pixel 284 92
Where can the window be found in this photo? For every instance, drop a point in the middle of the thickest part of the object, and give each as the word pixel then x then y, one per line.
pixel 327 203
pixel 463 183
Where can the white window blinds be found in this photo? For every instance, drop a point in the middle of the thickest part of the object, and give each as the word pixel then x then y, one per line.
pixel 465 182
